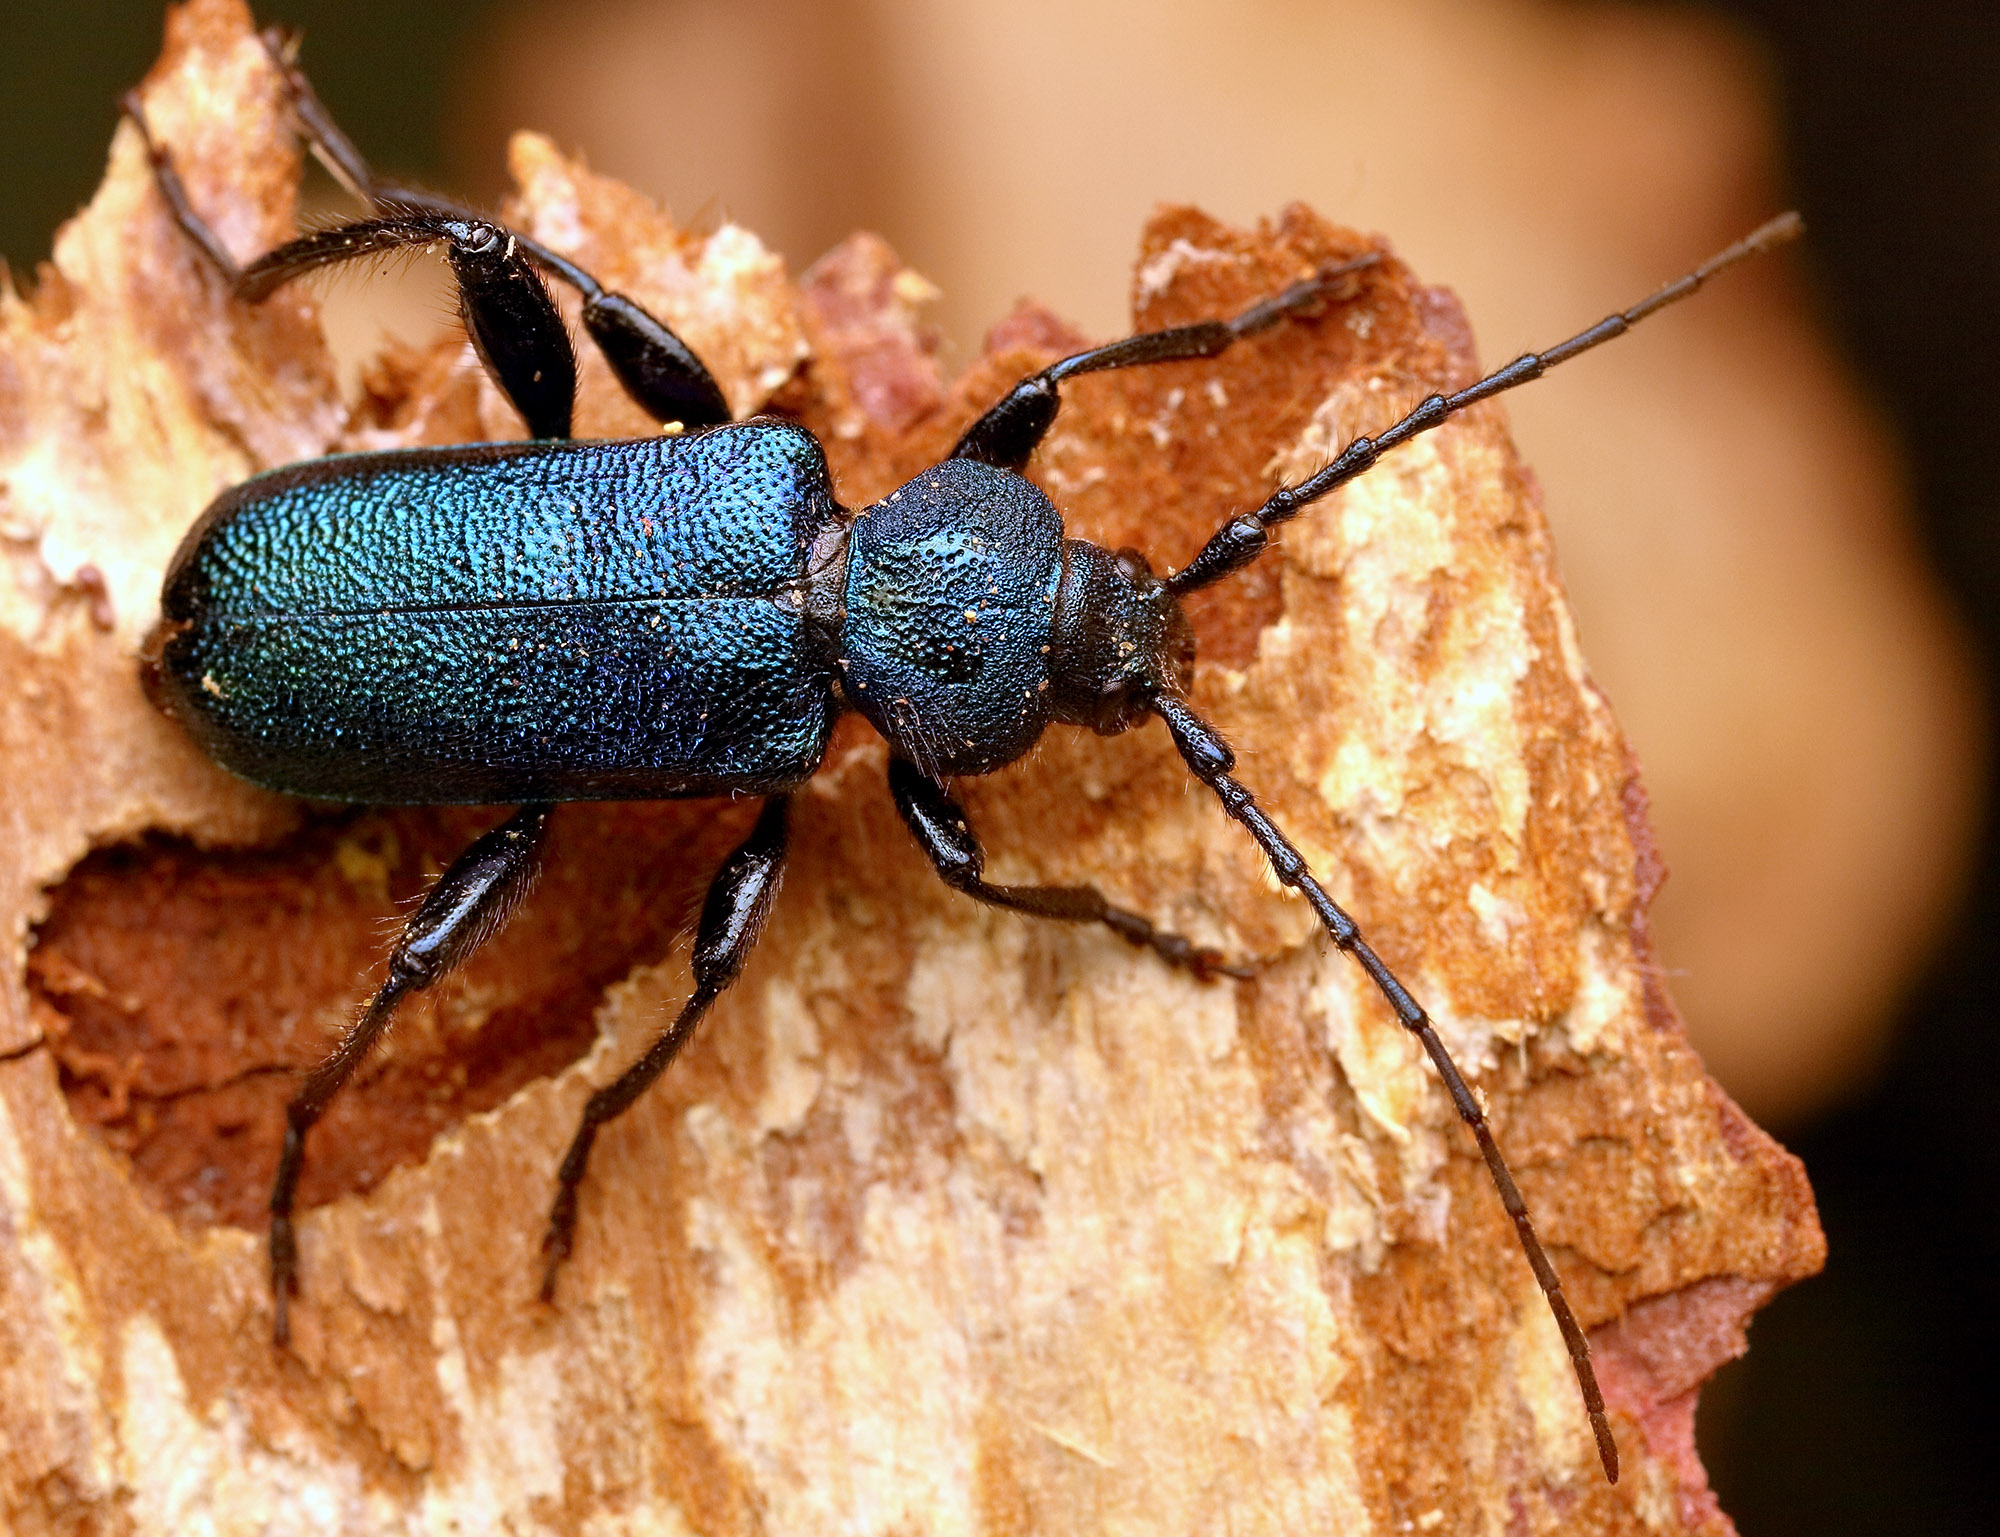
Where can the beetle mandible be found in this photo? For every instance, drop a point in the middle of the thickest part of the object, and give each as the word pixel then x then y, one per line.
pixel 687 615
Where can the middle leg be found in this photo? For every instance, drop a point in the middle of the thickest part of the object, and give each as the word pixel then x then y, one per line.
pixel 739 899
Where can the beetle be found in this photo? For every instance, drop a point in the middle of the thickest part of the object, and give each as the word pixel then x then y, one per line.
pixel 555 620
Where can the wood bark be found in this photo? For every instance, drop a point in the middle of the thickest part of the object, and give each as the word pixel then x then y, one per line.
pixel 947 1222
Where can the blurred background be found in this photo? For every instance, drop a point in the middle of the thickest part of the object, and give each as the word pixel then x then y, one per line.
pixel 1777 508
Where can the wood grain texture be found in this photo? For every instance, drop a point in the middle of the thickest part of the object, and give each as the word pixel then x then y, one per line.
pixel 947 1222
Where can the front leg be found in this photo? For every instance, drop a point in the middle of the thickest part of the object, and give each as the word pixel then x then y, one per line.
pixel 1015 424
pixel 739 899
pixel 947 838
pixel 466 907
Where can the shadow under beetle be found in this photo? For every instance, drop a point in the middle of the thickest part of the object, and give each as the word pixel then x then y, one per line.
pixel 687 615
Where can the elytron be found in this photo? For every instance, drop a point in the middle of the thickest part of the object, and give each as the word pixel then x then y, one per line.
pixel 547 621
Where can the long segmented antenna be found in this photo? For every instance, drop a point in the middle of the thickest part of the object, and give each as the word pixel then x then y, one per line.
pixel 1241 540
pixel 1208 757
pixel 1244 537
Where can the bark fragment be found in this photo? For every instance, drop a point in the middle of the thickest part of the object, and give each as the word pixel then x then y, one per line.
pixel 947 1222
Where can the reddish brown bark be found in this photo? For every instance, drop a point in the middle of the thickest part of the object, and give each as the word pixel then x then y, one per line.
pixel 947 1221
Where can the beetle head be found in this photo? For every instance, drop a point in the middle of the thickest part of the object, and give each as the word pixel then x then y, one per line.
pixel 1119 638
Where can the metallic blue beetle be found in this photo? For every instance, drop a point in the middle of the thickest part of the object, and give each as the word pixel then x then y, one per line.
pixel 552 621
pixel 687 615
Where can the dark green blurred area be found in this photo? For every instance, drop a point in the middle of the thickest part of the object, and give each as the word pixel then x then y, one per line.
pixel 387 70
pixel 1863 1406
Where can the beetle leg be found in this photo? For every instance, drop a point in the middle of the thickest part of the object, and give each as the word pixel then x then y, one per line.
pixel 513 322
pixel 1208 757
pixel 329 143
pixel 1015 424
pixel 499 294
pixel 739 899
pixel 174 191
pixel 656 367
pixel 947 838
pixel 466 907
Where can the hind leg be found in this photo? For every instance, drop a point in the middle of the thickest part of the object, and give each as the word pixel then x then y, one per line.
pixel 470 902
pixel 501 275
